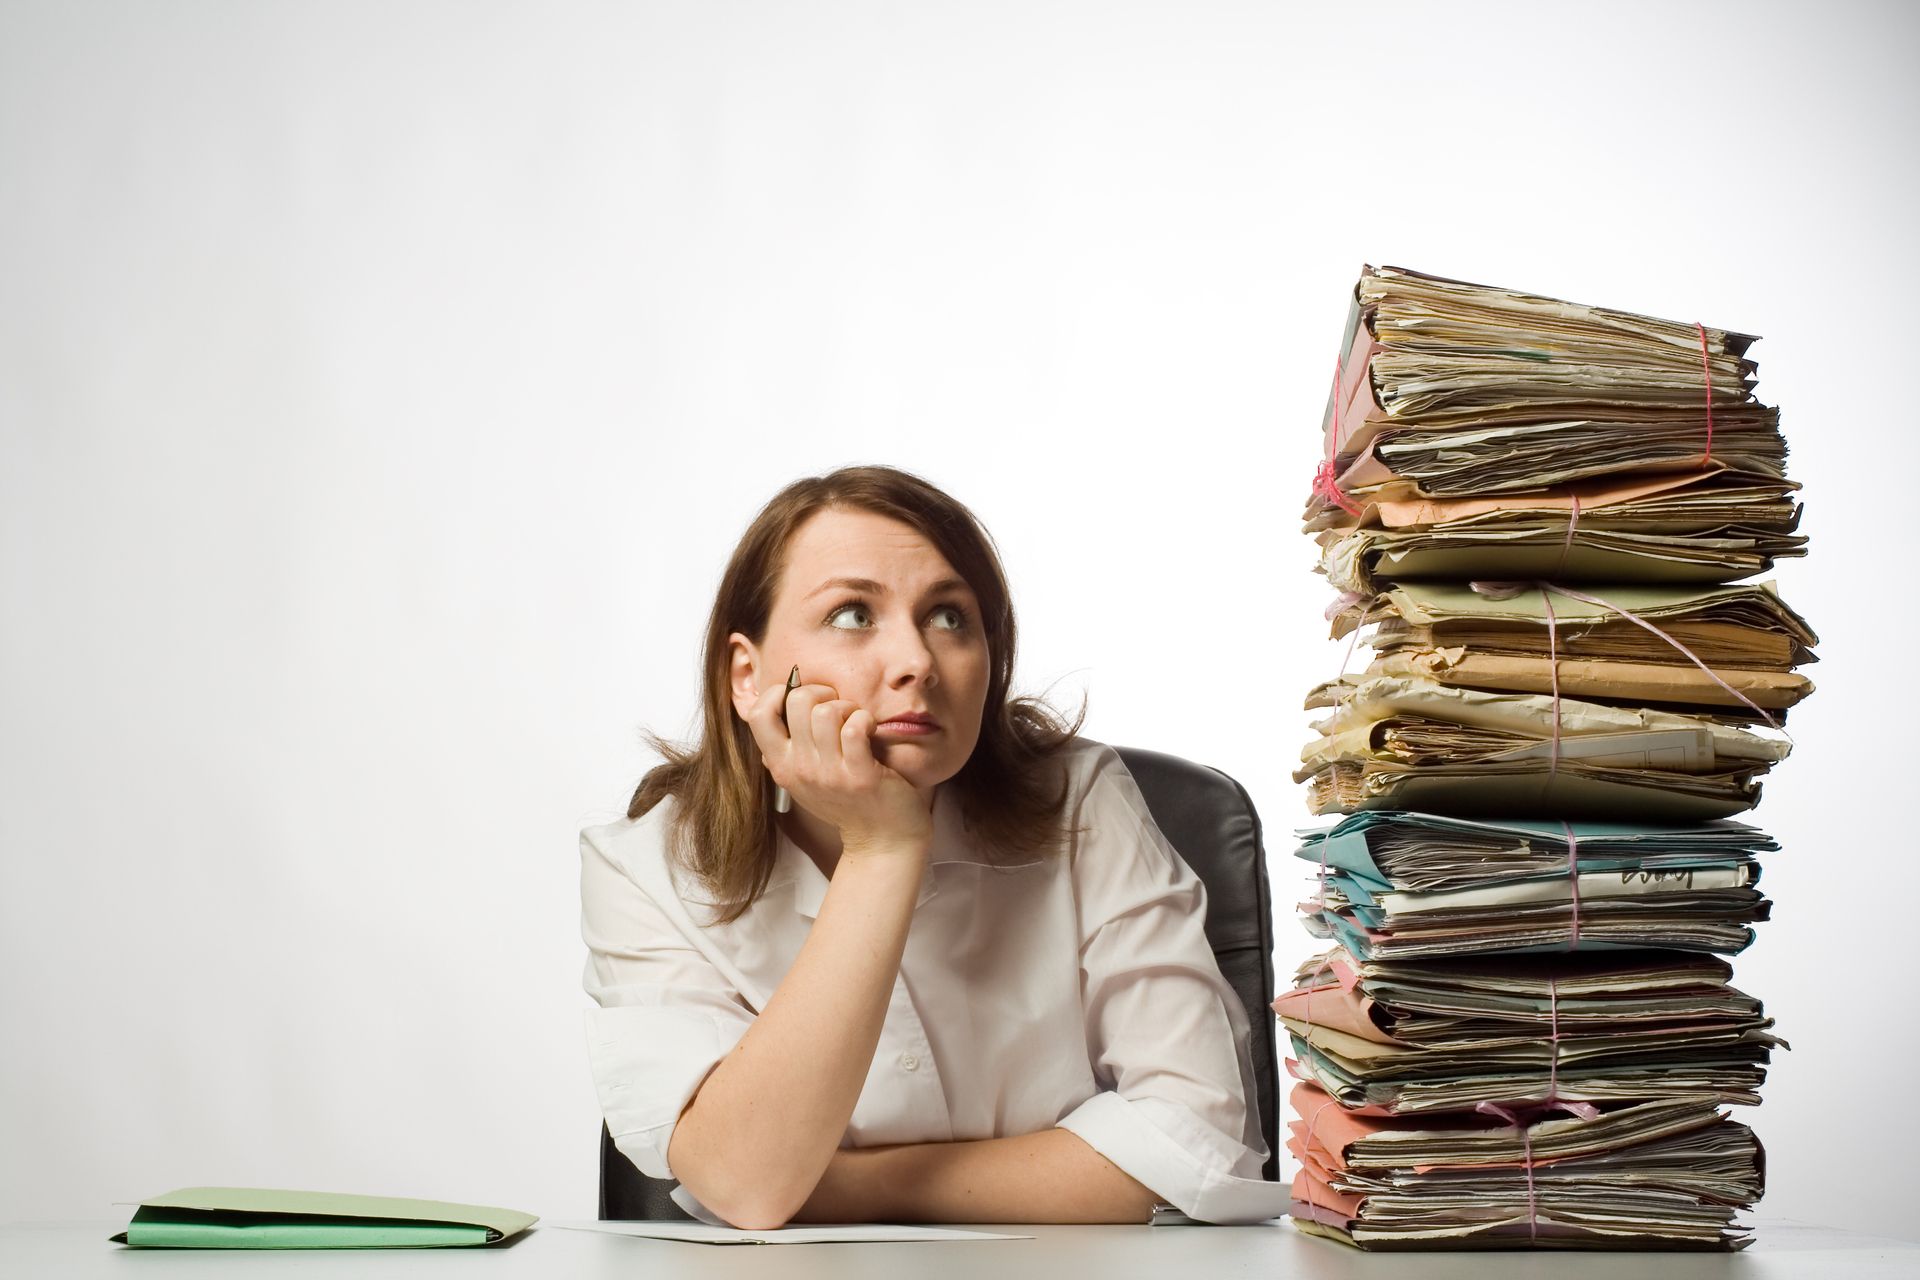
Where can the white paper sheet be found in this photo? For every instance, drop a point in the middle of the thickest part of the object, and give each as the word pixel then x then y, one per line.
pixel 701 1233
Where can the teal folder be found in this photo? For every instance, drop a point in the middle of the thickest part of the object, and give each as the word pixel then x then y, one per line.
pixel 260 1218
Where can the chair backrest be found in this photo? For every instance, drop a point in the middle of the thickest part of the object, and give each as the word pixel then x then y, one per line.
pixel 1210 819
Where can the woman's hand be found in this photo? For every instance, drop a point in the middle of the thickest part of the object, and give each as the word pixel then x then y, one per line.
pixel 823 755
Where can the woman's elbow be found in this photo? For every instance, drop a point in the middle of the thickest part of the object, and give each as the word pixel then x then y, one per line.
pixel 745 1194
pixel 760 1217
pixel 750 1207
pixel 749 1201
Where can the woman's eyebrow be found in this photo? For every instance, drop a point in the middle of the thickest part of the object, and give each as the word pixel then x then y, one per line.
pixel 870 587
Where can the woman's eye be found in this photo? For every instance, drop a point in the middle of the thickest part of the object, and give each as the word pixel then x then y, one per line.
pixel 855 616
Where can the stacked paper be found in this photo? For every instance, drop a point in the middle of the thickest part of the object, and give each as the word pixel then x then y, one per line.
pixel 1665 1174
pixel 1455 635
pixel 1524 1032
pixel 1477 432
pixel 1413 885
pixel 1411 742
pixel 1399 1039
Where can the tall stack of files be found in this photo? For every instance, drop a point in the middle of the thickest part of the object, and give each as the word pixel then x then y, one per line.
pixel 1522 1031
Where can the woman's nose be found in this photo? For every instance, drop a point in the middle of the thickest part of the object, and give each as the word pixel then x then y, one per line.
pixel 912 660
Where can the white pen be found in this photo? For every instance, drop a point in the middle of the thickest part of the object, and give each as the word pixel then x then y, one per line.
pixel 782 802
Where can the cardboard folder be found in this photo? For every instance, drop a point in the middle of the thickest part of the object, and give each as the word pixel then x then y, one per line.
pixel 261 1218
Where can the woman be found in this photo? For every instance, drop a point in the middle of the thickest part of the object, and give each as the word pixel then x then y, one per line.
pixel 963 978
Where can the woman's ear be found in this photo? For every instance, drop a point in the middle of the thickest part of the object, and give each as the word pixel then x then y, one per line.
pixel 743 673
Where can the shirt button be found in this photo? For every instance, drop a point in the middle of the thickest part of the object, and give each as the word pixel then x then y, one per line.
pixel 909 1063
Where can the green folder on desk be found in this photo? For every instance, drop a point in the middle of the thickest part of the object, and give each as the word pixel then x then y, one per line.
pixel 258 1218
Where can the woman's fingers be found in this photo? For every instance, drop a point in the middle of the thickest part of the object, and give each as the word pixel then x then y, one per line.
pixel 802 753
pixel 763 721
pixel 829 718
pixel 782 725
pixel 856 742
pixel 810 745
pixel 823 754
pixel 811 739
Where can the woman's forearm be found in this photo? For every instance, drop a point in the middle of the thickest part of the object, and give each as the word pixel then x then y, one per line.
pixel 761 1129
pixel 1050 1176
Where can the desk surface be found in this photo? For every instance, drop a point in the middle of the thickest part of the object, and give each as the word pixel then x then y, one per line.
pixel 1782 1249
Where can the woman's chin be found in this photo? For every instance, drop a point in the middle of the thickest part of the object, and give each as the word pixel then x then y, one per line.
pixel 922 764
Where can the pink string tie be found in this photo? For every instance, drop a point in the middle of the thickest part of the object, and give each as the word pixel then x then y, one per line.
pixel 1573 882
pixel 1553 674
pixel 1346 659
pixel 1306 1149
pixel 1325 479
pixel 1566 543
pixel 1553 1042
pixel 1526 1141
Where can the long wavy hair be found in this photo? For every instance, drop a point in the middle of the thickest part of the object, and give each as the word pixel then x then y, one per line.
pixel 1011 793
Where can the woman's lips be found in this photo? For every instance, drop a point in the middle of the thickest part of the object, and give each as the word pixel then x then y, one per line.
pixel 907 728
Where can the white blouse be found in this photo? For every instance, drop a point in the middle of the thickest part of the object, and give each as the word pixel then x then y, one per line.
pixel 1076 992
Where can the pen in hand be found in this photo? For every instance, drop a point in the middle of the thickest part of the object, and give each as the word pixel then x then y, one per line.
pixel 782 802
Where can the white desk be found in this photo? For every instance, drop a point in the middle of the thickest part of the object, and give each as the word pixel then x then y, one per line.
pixel 1783 1250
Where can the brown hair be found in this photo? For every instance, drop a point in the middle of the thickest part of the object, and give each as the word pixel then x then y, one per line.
pixel 724 829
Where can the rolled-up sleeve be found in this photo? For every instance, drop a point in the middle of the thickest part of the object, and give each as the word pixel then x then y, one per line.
pixel 1166 1034
pixel 666 1015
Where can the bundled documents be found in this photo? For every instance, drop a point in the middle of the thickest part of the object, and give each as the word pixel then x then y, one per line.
pixel 1399 885
pixel 1745 639
pixel 1652 1175
pixel 1536 513
pixel 1481 432
pixel 1715 542
pixel 1450 388
pixel 1409 742
pixel 1390 1038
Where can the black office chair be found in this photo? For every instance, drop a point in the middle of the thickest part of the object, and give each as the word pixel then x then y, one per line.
pixel 1209 818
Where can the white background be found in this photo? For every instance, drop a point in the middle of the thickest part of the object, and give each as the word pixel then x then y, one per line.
pixel 383 387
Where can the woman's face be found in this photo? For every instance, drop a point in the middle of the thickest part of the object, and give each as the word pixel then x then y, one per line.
pixel 907 639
